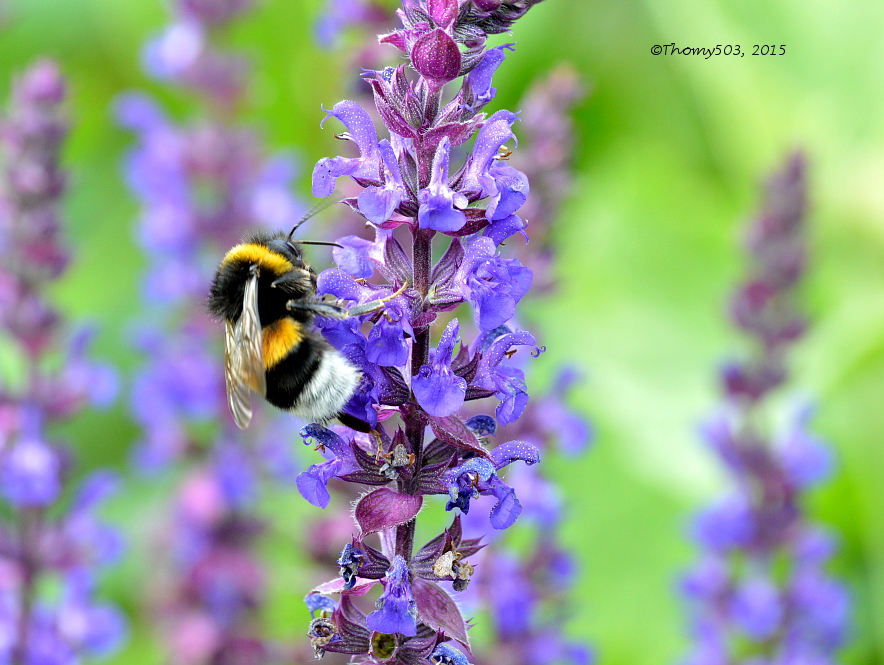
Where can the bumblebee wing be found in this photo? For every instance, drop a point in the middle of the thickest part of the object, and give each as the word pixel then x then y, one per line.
pixel 252 340
pixel 239 399
pixel 243 362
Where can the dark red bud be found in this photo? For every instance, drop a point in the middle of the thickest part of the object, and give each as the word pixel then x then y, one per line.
pixel 435 56
pixel 487 5
pixel 443 11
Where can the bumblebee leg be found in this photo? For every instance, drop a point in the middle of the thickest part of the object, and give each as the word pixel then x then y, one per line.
pixel 335 312
pixel 375 305
pixel 321 308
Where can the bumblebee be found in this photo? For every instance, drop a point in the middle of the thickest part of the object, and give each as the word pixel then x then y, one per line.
pixel 263 290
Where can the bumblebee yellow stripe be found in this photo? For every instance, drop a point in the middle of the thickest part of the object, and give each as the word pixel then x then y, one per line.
pixel 279 339
pixel 260 256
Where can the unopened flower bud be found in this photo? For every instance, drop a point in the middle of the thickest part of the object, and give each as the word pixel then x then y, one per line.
pixel 487 5
pixel 443 11
pixel 435 56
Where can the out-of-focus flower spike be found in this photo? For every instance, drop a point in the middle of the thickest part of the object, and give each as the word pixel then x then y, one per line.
pixel 47 541
pixel 777 602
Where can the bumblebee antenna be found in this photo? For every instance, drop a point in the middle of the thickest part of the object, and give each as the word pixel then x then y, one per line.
pixel 315 242
pixel 316 209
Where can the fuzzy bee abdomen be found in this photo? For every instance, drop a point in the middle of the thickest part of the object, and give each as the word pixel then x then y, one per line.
pixel 280 339
pixel 314 381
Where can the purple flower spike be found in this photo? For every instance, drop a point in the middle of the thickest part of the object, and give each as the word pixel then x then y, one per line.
pixel 480 77
pixel 361 130
pixel 459 217
pixel 438 390
pixel 378 203
pixel 396 611
pixel 438 202
pixel 760 587
pixel 435 56
pixel 494 285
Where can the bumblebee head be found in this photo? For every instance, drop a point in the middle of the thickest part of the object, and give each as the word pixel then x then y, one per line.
pixel 290 250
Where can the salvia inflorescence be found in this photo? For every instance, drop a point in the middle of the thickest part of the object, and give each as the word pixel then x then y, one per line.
pixel 202 184
pixel 441 213
pixel 760 593
pixel 50 532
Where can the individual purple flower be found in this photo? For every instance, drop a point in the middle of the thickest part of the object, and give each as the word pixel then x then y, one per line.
pixel 504 228
pixel 397 609
pixel 494 285
pixel 480 77
pixel 387 343
pixel 511 191
pixel 312 483
pixel 445 654
pixel 350 561
pixel 495 132
pixel 495 374
pixel 725 526
pixel 806 459
pixel 361 130
pixel 378 203
pixel 98 630
pixel 438 390
pixel 352 256
pixel 318 603
pixel 440 206
pixel 478 476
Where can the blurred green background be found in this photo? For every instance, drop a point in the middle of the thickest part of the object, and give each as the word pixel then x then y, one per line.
pixel 670 154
